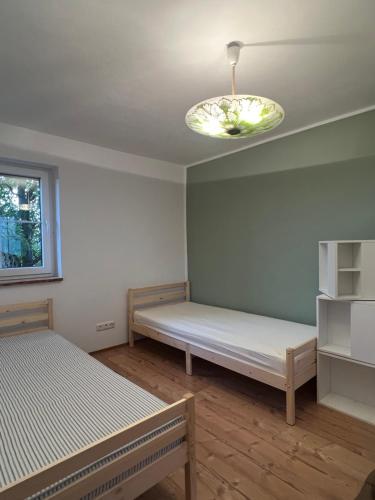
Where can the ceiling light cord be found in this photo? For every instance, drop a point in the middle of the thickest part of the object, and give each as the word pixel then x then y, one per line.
pixel 234 89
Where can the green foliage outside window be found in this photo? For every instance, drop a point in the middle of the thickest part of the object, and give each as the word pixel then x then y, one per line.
pixel 20 222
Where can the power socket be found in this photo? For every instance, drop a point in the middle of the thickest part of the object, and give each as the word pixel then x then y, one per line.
pixel 106 325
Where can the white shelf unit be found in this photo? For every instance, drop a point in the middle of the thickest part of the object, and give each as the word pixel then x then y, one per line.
pixel 346 328
pixel 347 386
pixel 347 269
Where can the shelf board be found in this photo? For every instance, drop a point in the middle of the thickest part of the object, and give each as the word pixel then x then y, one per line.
pixel 338 350
pixel 348 297
pixel 363 412
pixel 349 269
pixel 347 241
pixel 339 298
pixel 344 355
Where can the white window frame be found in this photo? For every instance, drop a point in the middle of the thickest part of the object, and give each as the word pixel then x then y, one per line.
pixel 47 225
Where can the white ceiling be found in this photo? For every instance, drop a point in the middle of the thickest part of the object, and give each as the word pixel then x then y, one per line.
pixel 122 73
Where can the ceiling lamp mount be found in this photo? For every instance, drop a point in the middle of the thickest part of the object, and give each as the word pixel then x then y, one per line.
pixel 234 116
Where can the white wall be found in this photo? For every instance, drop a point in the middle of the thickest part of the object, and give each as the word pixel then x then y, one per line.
pixel 118 230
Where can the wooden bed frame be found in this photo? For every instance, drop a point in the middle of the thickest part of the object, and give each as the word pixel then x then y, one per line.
pixel 22 317
pixel 299 369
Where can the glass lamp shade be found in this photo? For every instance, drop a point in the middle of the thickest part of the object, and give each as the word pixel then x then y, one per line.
pixel 234 116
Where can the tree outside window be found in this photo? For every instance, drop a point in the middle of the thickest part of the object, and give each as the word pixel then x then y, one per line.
pixel 20 222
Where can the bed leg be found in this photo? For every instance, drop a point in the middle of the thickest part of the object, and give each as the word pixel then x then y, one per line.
pixel 187 291
pixel 290 389
pixel 131 337
pixel 188 360
pixel 190 466
pixel 130 316
pixel 50 313
pixel 290 407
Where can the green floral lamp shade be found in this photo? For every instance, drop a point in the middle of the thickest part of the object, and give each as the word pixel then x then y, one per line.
pixel 234 116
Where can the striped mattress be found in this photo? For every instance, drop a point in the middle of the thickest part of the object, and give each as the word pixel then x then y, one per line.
pixel 54 400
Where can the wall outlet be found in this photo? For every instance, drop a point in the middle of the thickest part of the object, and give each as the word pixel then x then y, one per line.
pixel 106 325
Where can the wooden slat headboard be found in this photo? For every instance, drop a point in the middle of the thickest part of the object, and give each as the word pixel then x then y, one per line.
pixel 28 317
pixel 155 295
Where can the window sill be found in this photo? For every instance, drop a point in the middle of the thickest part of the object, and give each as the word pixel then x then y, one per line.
pixel 31 281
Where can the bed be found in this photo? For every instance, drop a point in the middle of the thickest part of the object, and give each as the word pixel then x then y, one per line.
pixel 277 352
pixel 72 428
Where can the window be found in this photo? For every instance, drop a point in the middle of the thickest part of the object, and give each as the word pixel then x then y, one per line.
pixel 27 223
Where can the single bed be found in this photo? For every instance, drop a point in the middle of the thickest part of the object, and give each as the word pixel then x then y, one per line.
pixel 277 352
pixel 72 428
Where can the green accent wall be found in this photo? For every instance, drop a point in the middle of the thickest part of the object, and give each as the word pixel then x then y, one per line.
pixel 253 236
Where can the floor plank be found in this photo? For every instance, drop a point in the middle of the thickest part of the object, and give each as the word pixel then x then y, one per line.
pixel 245 450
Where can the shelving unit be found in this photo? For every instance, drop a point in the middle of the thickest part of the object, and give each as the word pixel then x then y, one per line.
pixel 346 327
pixel 347 269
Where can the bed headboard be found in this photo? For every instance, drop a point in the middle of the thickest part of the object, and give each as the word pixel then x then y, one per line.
pixel 26 318
pixel 155 295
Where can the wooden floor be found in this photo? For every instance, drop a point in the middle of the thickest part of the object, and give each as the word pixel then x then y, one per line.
pixel 245 450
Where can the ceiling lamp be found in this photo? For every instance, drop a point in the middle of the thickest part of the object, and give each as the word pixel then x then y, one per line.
pixel 234 116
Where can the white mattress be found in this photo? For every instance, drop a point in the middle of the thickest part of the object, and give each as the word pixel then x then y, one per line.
pixel 54 400
pixel 259 340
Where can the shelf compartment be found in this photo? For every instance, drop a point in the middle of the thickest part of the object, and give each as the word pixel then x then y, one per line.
pixel 346 328
pixel 349 407
pixel 349 254
pixel 347 387
pixel 334 325
pixel 349 284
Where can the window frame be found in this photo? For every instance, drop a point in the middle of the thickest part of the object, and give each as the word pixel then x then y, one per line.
pixel 48 223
